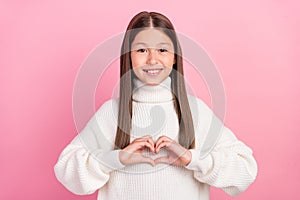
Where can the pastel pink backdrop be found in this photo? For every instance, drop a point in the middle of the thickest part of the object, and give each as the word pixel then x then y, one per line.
pixel 255 45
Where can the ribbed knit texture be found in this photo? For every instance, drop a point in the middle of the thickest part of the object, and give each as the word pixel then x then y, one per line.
pixel 89 162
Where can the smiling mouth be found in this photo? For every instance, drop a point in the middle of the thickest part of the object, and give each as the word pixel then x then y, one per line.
pixel 152 72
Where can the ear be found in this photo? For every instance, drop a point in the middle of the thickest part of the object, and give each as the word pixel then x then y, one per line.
pixel 174 61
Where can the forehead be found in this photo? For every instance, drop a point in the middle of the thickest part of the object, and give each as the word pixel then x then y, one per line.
pixel 151 37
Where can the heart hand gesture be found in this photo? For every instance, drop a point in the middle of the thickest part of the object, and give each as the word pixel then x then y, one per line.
pixel 177 155
pixel 133 152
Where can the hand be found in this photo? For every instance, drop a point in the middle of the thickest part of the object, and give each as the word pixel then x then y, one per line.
pixel 133 152
pixel 178 155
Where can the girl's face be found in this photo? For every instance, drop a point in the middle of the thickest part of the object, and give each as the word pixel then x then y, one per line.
pixel 152 56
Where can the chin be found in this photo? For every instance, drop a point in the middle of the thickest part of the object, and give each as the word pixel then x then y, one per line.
pixel 152 83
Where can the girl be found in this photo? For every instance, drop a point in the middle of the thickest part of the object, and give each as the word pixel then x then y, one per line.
pixel 148 143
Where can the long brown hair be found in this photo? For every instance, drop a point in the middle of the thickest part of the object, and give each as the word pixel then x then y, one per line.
pixel 186 129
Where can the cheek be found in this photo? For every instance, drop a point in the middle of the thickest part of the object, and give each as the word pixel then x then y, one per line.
pixel 169 61
pixel 133 60
pixel 136 60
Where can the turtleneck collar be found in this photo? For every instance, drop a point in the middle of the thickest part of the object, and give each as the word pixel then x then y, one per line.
pixel 152 93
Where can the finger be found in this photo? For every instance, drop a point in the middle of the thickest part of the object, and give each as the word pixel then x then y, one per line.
pixel 163 159
pixel 139 139
pixel 159 140
pixel 164 136
pixel 162 145
pixel 145 138
pixel 146 144
pixel 149 160
pixel 144 159
pixel 138 146
pixel 150 140
pixel 162 139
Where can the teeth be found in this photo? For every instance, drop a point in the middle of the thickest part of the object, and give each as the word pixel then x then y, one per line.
pixel 152 71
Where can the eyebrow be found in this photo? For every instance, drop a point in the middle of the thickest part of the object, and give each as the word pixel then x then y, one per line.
pixel 145 44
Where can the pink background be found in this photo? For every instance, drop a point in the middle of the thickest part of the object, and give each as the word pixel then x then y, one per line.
pixel 255 45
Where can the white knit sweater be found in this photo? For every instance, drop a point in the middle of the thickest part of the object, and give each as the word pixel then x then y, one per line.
pixel 89 162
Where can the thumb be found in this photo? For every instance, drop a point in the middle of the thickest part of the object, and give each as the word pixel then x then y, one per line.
pixel 147 160
pixel 163 159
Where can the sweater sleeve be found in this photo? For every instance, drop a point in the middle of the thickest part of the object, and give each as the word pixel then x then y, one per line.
pixel 230 165
pixel 85 164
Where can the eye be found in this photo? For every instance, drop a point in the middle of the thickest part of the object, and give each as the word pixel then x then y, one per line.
pixel 141 50
pixel 163 50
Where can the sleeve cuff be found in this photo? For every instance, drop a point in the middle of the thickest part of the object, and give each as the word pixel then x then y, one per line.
pixel 110 161
pixel 198 164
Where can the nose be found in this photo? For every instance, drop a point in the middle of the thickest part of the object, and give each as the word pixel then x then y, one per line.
pixel 152 57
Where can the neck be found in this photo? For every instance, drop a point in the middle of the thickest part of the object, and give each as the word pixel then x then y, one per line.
pixel 152 93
